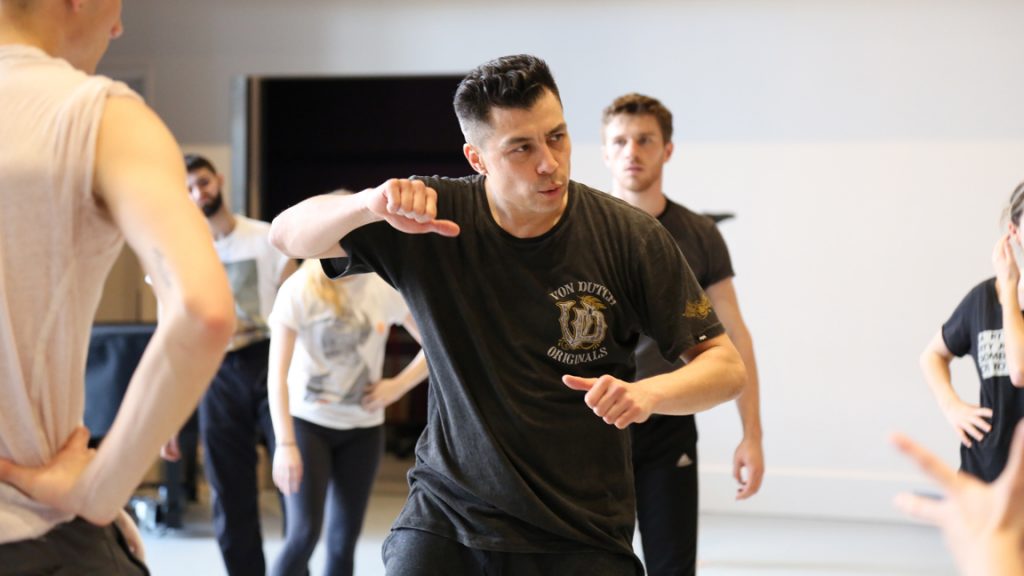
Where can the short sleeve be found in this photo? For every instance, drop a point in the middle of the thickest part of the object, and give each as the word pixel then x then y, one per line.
pixel 675 311
pixel 957 332
pixel 718 260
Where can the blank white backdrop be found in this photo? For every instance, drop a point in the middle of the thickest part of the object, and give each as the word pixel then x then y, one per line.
pixel 867 148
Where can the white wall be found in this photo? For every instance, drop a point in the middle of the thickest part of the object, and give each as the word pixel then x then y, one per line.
pixel 867 147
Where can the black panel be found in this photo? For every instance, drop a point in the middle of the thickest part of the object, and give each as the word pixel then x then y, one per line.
pixel 320 134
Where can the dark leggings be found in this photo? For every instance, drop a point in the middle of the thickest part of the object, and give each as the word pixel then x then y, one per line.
pixel 345 461
pixel 666 508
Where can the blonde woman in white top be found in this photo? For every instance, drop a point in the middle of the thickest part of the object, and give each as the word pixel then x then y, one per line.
pixel 327 399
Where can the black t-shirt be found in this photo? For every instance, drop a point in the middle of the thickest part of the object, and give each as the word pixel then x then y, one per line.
pixel 665 437
pixel 976 328
pixel 512 459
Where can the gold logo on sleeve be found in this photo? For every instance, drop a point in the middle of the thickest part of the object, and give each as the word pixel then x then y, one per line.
pixel 698 310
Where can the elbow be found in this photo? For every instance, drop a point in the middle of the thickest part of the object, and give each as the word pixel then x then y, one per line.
pixel 737 378
pixel 204 322
pixel 280 238
pixel 213 323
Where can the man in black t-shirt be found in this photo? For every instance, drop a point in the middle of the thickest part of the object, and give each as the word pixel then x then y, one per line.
pixel 530 291
pixel 637 141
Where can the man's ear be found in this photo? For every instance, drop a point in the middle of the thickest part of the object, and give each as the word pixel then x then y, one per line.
pixel 669 149
pixel 474 158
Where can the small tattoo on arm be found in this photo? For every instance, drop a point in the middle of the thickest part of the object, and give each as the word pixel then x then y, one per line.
pixel 162 272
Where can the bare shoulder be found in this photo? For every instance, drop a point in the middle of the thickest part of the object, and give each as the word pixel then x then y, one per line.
pixel 133 146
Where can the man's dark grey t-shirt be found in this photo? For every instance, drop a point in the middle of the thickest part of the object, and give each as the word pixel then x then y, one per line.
pixel 512 459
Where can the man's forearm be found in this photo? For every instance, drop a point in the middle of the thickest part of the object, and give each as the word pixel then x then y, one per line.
pixel 175 370
pixel 313 227
pixel 749 401
pixel 714 376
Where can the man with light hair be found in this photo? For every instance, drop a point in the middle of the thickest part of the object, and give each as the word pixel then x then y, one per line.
pixel 84 166
pixel 637 142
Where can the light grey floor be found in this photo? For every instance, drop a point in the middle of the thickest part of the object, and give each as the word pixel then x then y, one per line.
pixel 729 545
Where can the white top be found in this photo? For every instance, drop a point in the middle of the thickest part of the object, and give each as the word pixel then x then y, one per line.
pixel 336 358
pixel 253 267
pixel 57 246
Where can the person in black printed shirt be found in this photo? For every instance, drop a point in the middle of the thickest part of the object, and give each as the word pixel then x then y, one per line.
pixel 636 143
pixel 531 291
pixel 988 325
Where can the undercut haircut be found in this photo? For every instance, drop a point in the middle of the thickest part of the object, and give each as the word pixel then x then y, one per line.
pixel 639 105
pixel 516 82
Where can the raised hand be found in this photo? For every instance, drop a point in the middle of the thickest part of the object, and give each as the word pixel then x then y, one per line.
pixel 1005 264
pixel 409 206
pixel 618 403
pixel 981 522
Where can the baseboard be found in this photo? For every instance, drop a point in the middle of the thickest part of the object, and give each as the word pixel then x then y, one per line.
pixel 811 493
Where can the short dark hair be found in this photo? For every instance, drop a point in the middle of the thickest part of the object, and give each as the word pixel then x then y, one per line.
pixel 1016 204
pixel 638 105
pixel 195 162
pixel 515 81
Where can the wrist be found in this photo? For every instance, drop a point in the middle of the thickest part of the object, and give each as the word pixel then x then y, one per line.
pixel 1009 300
pixel 753 433
pixel 998 554
pixel 368 198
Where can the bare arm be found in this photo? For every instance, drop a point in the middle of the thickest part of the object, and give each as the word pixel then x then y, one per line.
pixel 749 454
pixel 385 392
pixel 713 374
pixel 967 420
pixel 313 227
pixel 140 177
pixel 287 466
pixel 1008 280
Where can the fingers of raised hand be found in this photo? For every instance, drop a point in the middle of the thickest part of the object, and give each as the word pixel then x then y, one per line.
pixel 923 508
pixel 929 463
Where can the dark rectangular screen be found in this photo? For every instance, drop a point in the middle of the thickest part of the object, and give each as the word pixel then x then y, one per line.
pixel 314 135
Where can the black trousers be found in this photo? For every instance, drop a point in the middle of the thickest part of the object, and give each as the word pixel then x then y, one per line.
pixel 75 548
pixel 234 416
pixel 666 510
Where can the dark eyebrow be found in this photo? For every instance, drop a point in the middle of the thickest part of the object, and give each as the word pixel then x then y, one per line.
pixel 516 141
pixel 560 128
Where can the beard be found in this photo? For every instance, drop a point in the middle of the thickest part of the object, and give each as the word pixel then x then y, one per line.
pixel 213 206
